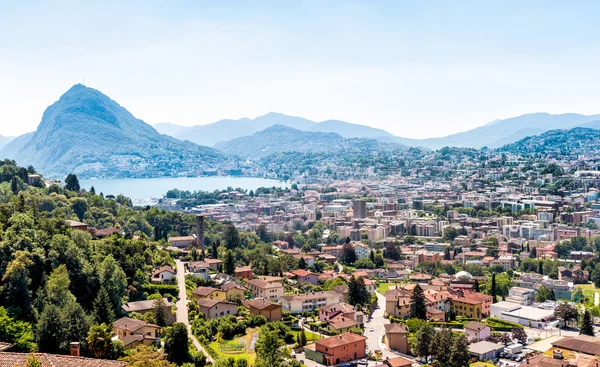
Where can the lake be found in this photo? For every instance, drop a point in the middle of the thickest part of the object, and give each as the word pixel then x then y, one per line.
pixel 141 190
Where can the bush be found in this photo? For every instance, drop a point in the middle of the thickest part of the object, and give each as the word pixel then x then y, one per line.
pixel 163 289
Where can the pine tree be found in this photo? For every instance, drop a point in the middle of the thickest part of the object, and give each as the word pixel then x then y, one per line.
pixel 418 307
pixel 372 256
pixel 229 263
pixel 587 326
pixel 302 263
pixel 214 252
pixel 103 308
pixel 533 253
pixel 160 312
pixel 92 190
pixel 541 267
pixel 423 341
pixel 493 290
pixel 459 353
pixel 72 183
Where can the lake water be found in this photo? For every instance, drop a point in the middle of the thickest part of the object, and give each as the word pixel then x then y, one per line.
pixel 140 190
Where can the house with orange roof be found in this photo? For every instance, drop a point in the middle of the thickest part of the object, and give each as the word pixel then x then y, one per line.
pixel 337 349
pixel 304 276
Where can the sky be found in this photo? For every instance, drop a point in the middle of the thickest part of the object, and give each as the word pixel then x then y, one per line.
pixel 414 68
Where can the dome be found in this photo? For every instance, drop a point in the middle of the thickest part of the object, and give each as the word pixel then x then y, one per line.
pixel 464 276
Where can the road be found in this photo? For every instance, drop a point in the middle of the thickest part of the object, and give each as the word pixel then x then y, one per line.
pixel 182 311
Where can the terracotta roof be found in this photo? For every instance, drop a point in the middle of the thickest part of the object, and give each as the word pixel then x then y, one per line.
pixel 261 304
pixel 339 340
pixel 240 269
pixel 129 339
pixel 543 361
pixel 210 303
pixel 204 291
pixel 341 307
pixel 227 286
pixel 264 285
pixel 475 326
pixel 164 268
pixel 582 344
pixel 340 322
pixel 5 346
pixel 55 360
pixel 398 362
pixel 301 273
pixel 395 329
pixel 213 261
pixel 132 325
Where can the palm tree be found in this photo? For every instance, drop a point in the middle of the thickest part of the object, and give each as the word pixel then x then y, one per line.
pixel 99 340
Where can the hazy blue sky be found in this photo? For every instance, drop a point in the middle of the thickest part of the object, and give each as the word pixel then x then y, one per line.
pixel 414 68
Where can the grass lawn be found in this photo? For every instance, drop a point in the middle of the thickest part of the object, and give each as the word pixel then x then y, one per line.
pixel 310 336
pixel 384 287
pixel 233 348
pixel 588 290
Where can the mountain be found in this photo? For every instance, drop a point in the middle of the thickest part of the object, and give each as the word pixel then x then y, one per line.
pixel 579 140
pixel 500 132
pixel 5 140
pixel 278 138
pixel 225 130
pixel 87 133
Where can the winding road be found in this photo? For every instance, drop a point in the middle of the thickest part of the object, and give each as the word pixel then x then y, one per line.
pixel 182 311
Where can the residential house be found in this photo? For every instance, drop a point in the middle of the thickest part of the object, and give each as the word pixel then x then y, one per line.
pixel 215 264
pixel 270 310
pixel 342 290
pixel 200 269
pixel 396 336
pixel 144 307
pixel 243 272
pixel 213 308
pixel 182 242
pixel 474 305
pixel 164 274
pixel 477 331
pixel 209 293
pixel 397 303
pixel 299 303
pixel 396 362
pixel 362 251
pixel 304 276
pixel 337 349
pixel 233 291
pixel 575 275
pixel 265 289
pixel 133 332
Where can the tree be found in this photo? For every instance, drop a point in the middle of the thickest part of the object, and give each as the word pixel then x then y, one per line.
pixel 357 291
pixel 16 284
pixel 565 313
pixel 72 183
pixel 577 295
pixel 16 332
pixel 450 233
pixel 519 334
pixel 476 285
pixel 541 268
pixel 505 339
pixel 441 344
pixel 159 310
pixel 391 252
pixel 459 353
pixel 79 207
pixel 145 356
pixel 177 343
pixel 269 349
pixel 493 290
pixel 99 340
pixel 103 308
pixel 229 263
pixel 596 275
pixel 348 254
pixel 418 307
pixel 232 237
pixel 533 253
pixel 302 264
pixel 49 328
pixel 543 294
pixel 113 279
pixel 423 339
pixel 587 326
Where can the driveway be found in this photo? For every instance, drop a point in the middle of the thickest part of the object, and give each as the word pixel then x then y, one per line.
pixel 182 311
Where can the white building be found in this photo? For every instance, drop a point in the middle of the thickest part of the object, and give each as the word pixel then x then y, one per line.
pixel 524 315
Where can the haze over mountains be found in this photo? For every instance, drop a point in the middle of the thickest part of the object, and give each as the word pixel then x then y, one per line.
pixel 493 135
pixel 88 133
pixel 279 138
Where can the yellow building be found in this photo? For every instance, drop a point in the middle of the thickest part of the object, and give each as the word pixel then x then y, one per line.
pixel 210 293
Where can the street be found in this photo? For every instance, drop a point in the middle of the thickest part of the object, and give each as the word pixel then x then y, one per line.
pixel 182 311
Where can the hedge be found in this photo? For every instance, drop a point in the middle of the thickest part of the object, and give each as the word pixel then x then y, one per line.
pixel 162 289
pixel 451 324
